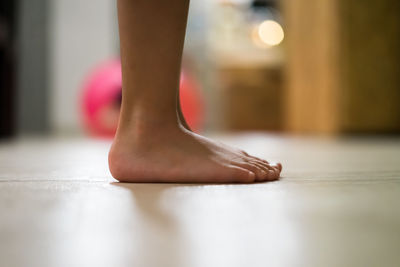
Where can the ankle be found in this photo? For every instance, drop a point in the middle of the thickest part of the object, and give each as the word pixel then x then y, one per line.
pixel 147 131
pixel 143 121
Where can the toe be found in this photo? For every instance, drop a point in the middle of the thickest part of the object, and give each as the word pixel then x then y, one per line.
pixel 265 164
pixel 240 175
pixel 258 171
pixel 264 170
pixel 276 171
pixel 277 166
pixel 272 175
pixel 261 163
pixel 276 176
pixel 259 159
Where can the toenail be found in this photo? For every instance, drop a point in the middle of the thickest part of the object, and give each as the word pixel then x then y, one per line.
pixel 275 166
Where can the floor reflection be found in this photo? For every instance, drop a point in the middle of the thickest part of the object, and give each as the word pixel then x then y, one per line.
pixel 157 238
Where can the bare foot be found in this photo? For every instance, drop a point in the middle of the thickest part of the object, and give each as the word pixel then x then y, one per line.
pixel 174 154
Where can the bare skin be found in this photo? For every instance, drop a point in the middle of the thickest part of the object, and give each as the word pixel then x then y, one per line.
pixel 153 142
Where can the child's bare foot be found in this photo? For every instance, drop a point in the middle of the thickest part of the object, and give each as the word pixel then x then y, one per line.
pixel 150 144
pixel 174 154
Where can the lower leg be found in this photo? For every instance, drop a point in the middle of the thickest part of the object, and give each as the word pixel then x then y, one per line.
pixel 151 40
pixel 151 145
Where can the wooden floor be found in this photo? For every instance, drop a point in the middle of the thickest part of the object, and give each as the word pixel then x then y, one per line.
pixel 338 204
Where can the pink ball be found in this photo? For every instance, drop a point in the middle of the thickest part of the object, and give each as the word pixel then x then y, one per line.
pixel 101 100
pixel 192 102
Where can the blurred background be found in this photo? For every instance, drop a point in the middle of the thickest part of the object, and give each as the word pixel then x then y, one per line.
pixel 315 67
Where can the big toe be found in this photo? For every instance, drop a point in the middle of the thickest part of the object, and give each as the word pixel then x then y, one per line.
pixel 278 165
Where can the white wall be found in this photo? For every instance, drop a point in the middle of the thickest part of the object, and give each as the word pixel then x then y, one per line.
pixel 82 33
